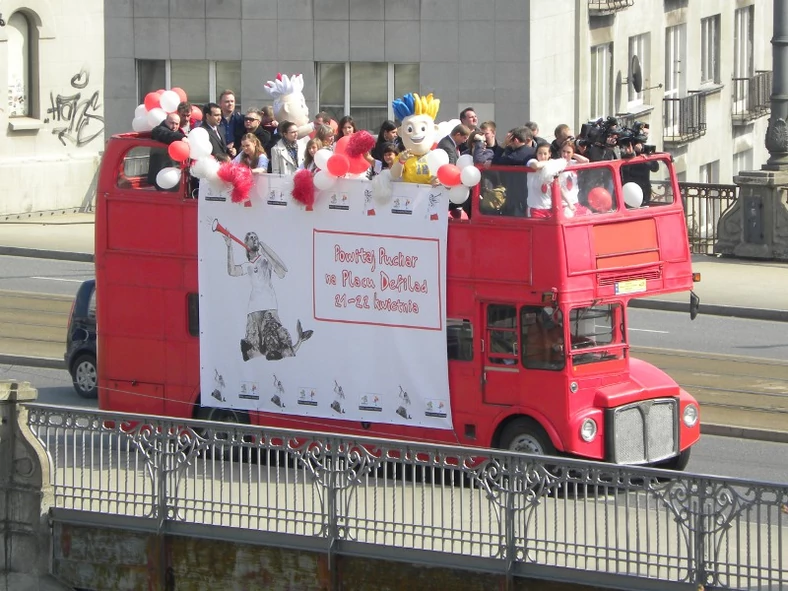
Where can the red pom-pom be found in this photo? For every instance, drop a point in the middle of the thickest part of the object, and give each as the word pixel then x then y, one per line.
pixel 304 188
pixel 240 177
pixel 360 143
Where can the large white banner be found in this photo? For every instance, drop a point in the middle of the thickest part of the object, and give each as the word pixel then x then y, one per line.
pixel 336 312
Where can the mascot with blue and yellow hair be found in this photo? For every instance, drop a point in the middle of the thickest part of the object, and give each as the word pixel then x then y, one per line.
pixel 419 133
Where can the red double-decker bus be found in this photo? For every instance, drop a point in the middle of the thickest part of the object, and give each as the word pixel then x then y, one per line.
pixel 537 342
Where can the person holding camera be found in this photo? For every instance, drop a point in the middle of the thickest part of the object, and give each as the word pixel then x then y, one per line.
pixel 640 172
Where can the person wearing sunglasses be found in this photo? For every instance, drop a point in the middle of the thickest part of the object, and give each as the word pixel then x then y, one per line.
pixel 253 124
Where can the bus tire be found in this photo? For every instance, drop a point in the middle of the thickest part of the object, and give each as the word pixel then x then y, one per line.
pixel 222 415
pixel 525 435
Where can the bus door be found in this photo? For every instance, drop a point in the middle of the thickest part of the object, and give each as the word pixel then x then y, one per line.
pixel 501 367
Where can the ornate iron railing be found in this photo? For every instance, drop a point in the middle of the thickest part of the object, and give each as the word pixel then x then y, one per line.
pixel 622 527
pixel 605 7
pixel 751 97
pixel 703 205
pixel 684 119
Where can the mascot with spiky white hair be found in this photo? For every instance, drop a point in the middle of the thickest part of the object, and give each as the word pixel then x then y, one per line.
pixel 419 133
pixel 289 102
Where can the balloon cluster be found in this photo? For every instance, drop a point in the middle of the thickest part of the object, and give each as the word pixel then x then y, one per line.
pixel 347 158
pixel 157 105
pixel 463 174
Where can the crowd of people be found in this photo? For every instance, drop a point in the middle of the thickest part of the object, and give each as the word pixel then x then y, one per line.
pixel 257 140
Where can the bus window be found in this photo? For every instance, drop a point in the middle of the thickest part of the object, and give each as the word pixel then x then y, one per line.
pixel 502 334
pixel 459 339
pixel 596 189
pixel 661 187
pixel 594 327
pixel 503 192
pixel 133 173
pixel 636 183
pixel 543 338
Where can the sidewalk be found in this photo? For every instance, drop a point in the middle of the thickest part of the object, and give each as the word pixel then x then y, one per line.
pixel 728 287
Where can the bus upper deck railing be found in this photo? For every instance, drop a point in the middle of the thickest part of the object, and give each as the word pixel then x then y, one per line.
pixel 458 507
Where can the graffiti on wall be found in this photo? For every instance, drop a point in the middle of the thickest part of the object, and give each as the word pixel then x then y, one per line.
pixel 76 118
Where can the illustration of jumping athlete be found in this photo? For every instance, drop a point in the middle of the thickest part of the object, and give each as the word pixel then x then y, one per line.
pixel 265 335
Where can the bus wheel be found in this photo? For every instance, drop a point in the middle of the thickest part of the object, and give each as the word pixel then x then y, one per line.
pixel 221 444
pixel 527 436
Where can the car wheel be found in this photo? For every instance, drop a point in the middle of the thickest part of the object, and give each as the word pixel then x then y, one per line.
pixel 85 376
pixel 221 446
pixel 527 436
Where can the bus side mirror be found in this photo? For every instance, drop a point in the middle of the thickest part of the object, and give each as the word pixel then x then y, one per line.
pixel 694 305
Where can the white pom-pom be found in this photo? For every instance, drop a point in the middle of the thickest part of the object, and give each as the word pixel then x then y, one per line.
pixel 381 187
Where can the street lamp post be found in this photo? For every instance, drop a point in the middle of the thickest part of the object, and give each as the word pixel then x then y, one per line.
pixel 757 224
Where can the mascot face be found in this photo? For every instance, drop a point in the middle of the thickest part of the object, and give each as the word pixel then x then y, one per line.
pixel 293 108
pixel 418 133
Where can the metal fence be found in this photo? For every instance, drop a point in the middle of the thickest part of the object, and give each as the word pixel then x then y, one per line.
pixel 484 510
pixel 684 118
pixel 751 96
pixel 704 204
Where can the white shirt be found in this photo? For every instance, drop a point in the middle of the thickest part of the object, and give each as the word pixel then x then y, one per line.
pixel 263 296
pixel 539 196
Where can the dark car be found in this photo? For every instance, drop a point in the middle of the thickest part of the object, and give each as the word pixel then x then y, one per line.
pixel 80 354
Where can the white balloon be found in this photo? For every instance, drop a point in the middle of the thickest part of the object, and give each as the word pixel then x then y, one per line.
pixel 435 159
pixel 198 134
pixel 633 194
pixel 459 194
pixel 205 168
pixel 141 124
pixel 382 187
pixel 140 111
pixel 321 158
pixel 168 177
pixel 156 116
pixel 464 160
pixel 169 101
pixel 470 176
pixel 323 180
pixel 200 148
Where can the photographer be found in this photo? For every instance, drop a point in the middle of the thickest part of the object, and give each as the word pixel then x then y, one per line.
pixel 600 138
pixel 632 146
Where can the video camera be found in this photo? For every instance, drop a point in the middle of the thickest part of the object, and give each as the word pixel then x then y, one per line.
pixel 597 132
pixel 637 134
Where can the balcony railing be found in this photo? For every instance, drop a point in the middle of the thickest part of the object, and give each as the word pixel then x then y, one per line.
pixel 605 7
pixel 751 97
pixel 704 204
pixel 684 119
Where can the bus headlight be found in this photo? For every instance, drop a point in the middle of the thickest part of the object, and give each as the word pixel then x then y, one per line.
pixel 690 417
pixel 588 430
pixel 573 387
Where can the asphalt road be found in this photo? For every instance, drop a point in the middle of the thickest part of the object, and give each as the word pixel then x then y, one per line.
pixel 43 275
pixel 721 456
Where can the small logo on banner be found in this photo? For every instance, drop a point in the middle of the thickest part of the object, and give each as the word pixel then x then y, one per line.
pixel 279 392
pixel 307 396
pixel 370 403
pixel 432 208
pixel 369 206
pixel 249 391
pixel 435 409
pixel 402 206
pixel 339 201
pixel 276 197
pixel 405 400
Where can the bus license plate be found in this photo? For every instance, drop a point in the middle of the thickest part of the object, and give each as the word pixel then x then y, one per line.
pixel 631 286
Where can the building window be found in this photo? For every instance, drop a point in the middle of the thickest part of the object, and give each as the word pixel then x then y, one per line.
pixel 710 50
pixel 675 75
pixel 742 161
pixel 601 80
pixel 710 173
pixel 742 43
pixel 638 48
pixel 364 90
pixel 19 53
pixel 202 80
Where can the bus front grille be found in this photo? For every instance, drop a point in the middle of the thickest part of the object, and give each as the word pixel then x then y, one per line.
pixel 604 279
pixel 643 432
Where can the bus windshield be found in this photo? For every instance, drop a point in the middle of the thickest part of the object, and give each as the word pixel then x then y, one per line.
pixel 596 333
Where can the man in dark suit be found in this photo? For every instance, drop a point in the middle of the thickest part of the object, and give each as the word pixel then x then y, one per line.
pixel 212 116
pixel 454 143
pixel 166 132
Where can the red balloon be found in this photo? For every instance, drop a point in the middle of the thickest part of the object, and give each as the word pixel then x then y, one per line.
pixel 449 175
pixel 152 100
pixel 600 199
pixel 196 113
pixel 359 164
pixel 181 93
pixel 338 165
pixel 340 146
pixel 178 151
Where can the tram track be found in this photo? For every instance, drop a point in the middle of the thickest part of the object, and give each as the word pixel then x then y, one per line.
pixel 737 395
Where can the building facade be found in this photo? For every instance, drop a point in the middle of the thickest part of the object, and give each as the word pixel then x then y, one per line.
pixel 704 67
pixel 52 119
